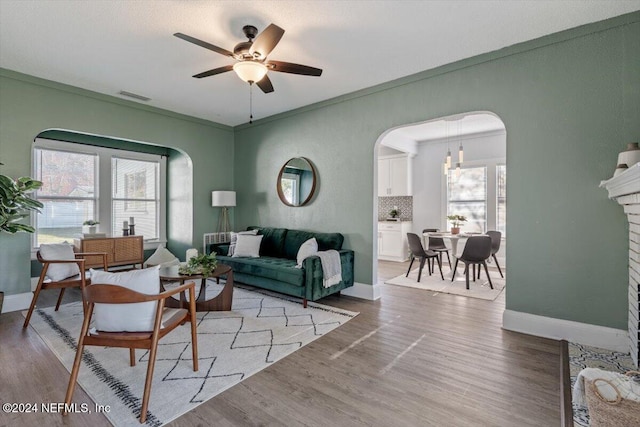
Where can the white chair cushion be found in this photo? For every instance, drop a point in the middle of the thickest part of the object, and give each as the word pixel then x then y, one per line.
pixel 308 248
pixel 234 239
pixel 59 251
pixel 162 256
pixel 247 246
pixel 136 317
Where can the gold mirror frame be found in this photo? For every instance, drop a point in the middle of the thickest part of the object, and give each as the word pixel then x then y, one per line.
pixel 307 199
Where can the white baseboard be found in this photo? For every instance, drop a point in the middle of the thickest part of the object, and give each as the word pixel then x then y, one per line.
pixel 16 302
pixel 363 290
pixel 560 329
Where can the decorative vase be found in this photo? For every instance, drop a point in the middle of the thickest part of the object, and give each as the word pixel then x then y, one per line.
pixel 630 156
pixel 89 229
pixel 455 230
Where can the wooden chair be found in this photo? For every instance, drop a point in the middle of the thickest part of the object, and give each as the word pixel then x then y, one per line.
pixel 77 281
pixel 477 251
pixel 417 251
pixel 166 320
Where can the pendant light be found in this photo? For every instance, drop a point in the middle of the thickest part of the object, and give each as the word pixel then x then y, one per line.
pixel 446 169
pixel 458 170
pixel 460 154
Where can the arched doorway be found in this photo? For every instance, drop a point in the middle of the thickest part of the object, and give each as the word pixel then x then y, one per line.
pixel 415 154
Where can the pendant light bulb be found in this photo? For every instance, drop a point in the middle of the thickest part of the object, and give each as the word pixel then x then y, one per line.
pixel 449 159
pixel 457 170
pixel 460 154
pixel 446 169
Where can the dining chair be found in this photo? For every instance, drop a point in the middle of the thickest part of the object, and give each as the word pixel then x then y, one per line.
pixel 164 320
pixel 417 251
pixel 476 251
pixel 496 238
pixel 61 269
pixel 437 244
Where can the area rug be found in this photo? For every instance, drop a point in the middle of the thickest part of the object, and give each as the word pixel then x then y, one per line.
pixel 478 289
pixel 582 356
pixel 261 329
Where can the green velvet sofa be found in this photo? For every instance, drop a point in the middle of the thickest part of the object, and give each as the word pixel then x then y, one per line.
pixel 276 270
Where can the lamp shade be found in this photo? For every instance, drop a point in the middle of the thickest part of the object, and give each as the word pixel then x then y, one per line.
pixel 223 198
pixel 250 71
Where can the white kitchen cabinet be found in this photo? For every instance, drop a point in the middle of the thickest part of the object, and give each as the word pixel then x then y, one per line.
pixel 394 176
pixel 392 241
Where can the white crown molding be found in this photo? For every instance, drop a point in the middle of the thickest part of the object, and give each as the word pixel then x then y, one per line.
pixel 560 329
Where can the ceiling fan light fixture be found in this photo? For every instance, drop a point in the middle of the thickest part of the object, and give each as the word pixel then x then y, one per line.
pixel 250 71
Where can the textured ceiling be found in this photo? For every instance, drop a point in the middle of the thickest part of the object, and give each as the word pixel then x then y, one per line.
pixel 109 46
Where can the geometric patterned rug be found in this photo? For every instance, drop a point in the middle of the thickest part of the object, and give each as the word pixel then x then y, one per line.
pixel 582 356
pixel 261 329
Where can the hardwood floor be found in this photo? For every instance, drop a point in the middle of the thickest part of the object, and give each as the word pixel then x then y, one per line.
pixel 408 359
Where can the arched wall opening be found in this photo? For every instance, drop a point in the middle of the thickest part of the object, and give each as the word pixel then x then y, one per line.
pixel 422 201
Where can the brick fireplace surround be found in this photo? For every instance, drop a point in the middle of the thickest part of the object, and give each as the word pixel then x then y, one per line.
pixel 625 189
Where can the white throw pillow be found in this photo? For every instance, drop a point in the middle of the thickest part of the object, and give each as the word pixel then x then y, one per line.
pixel 247 246
pixel 55 251
pixel 162 256
pixel 234 239
pixel 136 317
pixel 308 248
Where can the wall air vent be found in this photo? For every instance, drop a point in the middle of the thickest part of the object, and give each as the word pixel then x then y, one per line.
pixel 134 96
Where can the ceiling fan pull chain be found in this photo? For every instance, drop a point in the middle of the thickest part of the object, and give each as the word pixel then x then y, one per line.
pixel 250 102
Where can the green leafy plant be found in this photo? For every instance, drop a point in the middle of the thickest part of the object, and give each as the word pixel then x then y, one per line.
pixel 91 222
pixel 456 220
pixel 201 264
pixel 394 213
pixel 16 205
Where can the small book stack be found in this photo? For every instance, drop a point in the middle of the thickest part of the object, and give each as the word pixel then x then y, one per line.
pixel 92 235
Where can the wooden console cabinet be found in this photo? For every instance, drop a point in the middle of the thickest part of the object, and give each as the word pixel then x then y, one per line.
pixel 126 250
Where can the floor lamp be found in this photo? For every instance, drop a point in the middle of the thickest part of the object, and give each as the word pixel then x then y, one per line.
pixel 224 200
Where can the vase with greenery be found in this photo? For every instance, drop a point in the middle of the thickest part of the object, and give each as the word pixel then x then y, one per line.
pixel 15 206
pixel 456 222
pixel 90 226
pixel 201 265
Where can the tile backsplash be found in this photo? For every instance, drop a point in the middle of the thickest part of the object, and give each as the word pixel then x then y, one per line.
pixel 404 204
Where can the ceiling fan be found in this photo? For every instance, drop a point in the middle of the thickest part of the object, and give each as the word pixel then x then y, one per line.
pixel 251 57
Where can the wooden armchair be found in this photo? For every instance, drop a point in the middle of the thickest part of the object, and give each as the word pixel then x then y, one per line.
pixel 77 281
pixel 166 319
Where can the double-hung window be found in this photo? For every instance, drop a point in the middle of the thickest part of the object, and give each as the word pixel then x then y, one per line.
pixel 478 192
pixel 111 186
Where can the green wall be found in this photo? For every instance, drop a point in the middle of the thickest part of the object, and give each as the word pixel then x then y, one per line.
pixel 570 103
pixel 201 154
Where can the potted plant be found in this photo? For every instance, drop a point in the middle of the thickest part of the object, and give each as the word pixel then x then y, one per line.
pixel 15 206
pixel 90 226
pixel 201 264
pixel 456 221
pixel 394 213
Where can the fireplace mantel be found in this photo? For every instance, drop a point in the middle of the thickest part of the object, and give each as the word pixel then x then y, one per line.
pixel 625 189
pixel 628 182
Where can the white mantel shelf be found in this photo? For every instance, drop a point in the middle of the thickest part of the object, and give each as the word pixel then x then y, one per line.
pixel 628 182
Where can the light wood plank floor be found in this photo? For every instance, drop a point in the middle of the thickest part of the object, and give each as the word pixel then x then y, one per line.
pixel 408 359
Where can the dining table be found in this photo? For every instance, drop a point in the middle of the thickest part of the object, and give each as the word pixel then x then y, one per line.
pixel 452 238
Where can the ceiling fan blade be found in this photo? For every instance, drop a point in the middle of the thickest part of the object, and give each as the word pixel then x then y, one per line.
pixel 214 71
pixel 266 41
pixel 204 44
pixel 265 84
pixel 288 67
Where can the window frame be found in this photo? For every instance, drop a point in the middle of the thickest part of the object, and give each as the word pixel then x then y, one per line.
pixel 491 194
pixel 104 181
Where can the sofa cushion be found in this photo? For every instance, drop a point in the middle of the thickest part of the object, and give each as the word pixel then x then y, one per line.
pixel 295 238
pixel 280 269
pixel 247 246
pixel 272 242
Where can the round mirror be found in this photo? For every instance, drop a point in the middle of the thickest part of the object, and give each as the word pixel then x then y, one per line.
pixel 296 182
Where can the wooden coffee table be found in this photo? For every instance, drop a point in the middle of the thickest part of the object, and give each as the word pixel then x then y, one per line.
pixel 221 302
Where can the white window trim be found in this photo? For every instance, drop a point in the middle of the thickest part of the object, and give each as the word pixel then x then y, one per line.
pixel 104 185
pixel 491 195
